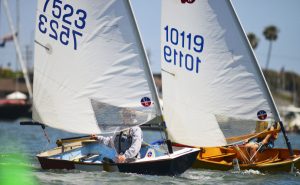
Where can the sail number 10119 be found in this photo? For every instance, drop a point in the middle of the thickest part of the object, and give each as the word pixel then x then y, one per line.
pixel 182 49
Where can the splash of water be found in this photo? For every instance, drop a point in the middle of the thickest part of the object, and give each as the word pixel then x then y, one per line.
pixel 248 172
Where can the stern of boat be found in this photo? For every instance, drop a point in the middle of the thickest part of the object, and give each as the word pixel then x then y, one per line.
pixel 171 165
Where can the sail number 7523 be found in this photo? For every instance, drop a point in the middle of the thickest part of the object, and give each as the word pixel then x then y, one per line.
pixel 66 24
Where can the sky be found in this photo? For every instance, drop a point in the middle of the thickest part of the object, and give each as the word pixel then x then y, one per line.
pixel 254 16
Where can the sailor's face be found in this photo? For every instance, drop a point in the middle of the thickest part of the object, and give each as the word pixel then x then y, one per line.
pixel 128 117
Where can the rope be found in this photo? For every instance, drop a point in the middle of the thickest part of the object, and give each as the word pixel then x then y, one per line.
pixel 256 152
pixel 46 135
pixel 246 160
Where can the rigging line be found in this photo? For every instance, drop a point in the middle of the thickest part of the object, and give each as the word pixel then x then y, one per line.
pixel 242 154
pixel 256 152
pixel 40 44
pixel 18 48
pixel 46 135
pixel 245 158
pixel 248 155
pixel 168 72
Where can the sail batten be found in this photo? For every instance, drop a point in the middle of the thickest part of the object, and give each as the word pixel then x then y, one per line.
pixel 215 74
pixel 93 79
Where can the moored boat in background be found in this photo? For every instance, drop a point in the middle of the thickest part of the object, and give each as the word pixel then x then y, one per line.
pixel 15 106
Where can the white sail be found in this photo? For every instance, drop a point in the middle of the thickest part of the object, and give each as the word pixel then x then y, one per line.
pixel 209 71
pixel 90 67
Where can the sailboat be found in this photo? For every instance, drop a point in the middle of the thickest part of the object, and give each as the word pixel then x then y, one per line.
pixel 291 116
pixel 14 106
pixel 215 95
pixel 91 67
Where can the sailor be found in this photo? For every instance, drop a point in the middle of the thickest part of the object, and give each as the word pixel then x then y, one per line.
pixel 126 143
pixel 262 143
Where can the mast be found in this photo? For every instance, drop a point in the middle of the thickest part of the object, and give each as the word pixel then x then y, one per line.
pixel 263 80
pixel 150 80
pixel 146 66
pixel 18 17
pixel 0 14
pixel 17 45
pixel 18 36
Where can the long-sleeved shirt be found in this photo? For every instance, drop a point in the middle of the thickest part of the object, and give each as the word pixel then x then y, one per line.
pixel 133 146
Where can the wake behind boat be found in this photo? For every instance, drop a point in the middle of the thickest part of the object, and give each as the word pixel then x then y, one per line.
pixel 91 76
pixel 214 91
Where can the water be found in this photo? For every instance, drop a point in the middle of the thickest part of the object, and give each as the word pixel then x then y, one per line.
pixel 30 140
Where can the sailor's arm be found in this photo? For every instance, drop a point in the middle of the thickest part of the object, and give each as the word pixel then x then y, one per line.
pixel 136 143
pixel 108 141
pixel 266 139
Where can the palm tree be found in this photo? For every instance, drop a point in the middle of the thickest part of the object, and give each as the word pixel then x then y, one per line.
pixel 253 40
pixel 270 33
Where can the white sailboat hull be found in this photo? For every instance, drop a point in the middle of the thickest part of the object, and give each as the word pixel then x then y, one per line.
pixel 84 157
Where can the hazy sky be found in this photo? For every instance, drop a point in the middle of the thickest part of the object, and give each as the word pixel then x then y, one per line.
pixel 254 15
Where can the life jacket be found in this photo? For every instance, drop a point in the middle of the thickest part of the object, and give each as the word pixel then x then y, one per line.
pixel 123 141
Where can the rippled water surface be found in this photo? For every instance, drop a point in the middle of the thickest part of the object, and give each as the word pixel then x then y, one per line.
pixel 20 144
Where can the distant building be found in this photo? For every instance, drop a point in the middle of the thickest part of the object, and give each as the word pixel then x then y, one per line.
pixel 8 86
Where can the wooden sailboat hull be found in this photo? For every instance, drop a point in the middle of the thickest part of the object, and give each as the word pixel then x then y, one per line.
pixel 272 160
pixel 172 164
